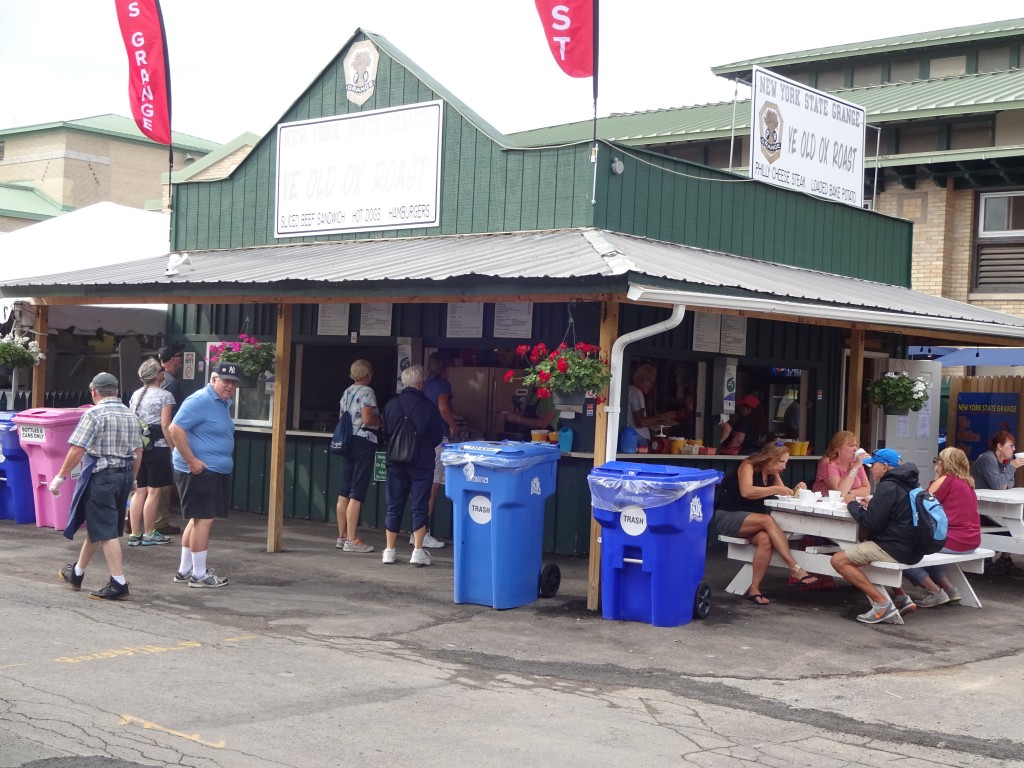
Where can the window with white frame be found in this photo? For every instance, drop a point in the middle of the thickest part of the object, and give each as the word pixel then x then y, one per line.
pixel 253 403
pixel 999 262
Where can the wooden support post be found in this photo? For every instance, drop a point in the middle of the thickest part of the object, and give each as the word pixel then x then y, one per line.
pixel 855 381
pixel 282 377
pixel 609 333
pixel 42 335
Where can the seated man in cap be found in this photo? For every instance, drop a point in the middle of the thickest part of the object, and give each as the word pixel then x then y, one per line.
pixel 889 524
pixel 108 443
pixel 741 433
pixel 203 433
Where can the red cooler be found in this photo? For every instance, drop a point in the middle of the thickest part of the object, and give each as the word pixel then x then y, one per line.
pixel 44 434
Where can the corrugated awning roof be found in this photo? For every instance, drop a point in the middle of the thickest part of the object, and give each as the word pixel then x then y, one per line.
pixel 579 261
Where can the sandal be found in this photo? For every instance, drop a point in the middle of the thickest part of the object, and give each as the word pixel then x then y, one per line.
pixel 806 580
pixel 758 599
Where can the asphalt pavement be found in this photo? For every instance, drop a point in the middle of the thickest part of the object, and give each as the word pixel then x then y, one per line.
pixel 940 690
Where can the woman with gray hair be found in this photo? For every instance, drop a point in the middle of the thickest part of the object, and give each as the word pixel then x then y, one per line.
pixel 357 467
pixel 154 406
pixel 411 479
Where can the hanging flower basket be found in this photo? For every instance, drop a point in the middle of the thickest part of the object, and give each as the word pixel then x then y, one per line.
pixel 898 393
pixel 18 351
pixel 565 371
pixel 573 399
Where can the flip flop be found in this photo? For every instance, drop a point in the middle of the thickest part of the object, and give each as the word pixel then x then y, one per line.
pixel 758 599
pixel 807 580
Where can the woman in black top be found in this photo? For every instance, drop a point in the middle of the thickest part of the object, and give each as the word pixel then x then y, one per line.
pixel 740 512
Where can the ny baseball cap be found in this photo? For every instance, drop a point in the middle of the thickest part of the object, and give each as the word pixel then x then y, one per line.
pixel 229 371
pixel 884 455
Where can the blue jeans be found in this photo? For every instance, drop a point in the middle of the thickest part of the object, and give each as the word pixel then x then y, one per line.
pixel 916 575
pixel 407 484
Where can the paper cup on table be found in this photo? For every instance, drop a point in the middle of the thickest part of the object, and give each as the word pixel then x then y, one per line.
pixel 835 496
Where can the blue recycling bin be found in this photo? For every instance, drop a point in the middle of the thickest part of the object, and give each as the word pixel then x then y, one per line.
pixel 654 521
pixel 498 490
pixel 16 501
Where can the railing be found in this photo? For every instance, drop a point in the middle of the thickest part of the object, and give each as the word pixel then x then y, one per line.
pixel 58 399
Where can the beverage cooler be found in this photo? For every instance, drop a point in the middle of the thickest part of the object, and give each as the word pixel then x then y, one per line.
pixel 788 403
pixel 479 396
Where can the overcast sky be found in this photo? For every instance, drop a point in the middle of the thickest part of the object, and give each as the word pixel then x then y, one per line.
pixel 237 65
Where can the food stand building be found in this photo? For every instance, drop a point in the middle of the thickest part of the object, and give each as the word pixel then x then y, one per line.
pixel 486 245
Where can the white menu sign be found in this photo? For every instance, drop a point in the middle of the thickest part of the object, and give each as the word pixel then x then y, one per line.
pixel 332 319
pixel 734 335
pixel 466 320
pixel 706 331
pixel 513 320
pixel 375 319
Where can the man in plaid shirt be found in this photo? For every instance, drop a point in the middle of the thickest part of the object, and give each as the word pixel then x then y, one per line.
pixel 108 443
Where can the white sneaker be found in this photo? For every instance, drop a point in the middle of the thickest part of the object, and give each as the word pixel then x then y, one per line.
pixel 931 601
pixel 389 556
pixel 428 541
pixel 419 557
pixel 341 542
pixel 356 545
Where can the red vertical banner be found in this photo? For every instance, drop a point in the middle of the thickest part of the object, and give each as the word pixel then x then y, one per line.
pixel 149 79
pixel 569 27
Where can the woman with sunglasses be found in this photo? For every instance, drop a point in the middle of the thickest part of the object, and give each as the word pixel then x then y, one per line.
pixel 953 486
pixel 840 469
pixel 740 512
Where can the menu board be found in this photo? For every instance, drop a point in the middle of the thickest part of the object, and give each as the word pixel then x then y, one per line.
pixel 706 331
pixel 734 335
pixel 513 320
pixel 332 319
pixel 466 320
pixel 375 319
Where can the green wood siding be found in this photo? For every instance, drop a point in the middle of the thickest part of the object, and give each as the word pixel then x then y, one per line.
pixel 680 202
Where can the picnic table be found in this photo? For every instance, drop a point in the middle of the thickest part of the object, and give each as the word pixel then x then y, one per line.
pixel 832 521
pixel 1004 510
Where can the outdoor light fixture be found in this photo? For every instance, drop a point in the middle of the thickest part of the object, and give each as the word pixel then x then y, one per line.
pixel 177 260
pixel 617 166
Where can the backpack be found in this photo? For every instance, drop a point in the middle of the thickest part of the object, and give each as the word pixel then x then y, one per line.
pixel 344 435
pixel 930 522
pixel 342 440
pixel 402 442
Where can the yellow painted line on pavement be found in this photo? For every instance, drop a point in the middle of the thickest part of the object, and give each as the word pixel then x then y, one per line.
pixel 241 637
pixel 130 650
pixel 130 719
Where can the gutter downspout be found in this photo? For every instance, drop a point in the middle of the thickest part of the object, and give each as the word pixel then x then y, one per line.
pixel 613 408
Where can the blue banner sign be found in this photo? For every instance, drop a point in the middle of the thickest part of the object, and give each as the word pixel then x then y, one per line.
pixel 979 415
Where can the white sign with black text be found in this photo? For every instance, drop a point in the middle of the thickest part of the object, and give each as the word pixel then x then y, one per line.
pixel 363 172
pixel 806 140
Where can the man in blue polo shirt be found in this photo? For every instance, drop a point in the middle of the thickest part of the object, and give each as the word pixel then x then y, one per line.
pixel 204 440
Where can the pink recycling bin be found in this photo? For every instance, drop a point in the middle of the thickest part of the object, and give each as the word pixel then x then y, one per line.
pixel 44 434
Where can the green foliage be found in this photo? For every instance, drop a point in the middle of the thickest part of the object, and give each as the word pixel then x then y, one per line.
pixel 565 369
pixel 898 391
pixel 253 356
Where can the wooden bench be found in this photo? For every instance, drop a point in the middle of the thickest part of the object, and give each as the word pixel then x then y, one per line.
pixel 818 559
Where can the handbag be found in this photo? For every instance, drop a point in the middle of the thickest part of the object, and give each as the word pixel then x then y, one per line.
pixel 342 439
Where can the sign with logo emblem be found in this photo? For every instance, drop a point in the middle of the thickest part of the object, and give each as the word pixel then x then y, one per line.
pixel 806 140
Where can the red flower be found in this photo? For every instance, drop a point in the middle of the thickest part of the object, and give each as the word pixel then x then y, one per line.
pixel 540 350
pixel 562 365
pixel 563 345
pixel 553 355
pixel 523 350
pixel 509 375
pixel 543 393
pixel 543 377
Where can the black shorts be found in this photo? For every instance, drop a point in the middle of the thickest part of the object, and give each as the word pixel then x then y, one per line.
pixel 156 469
pixel 104 501
pixel 204 496
pixel 357 469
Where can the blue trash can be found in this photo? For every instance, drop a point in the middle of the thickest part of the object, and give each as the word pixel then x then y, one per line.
pixel 498 492
pixel 16 499
pixel 654 522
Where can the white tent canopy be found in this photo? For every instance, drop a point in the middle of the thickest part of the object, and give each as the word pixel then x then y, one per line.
pixel 95 236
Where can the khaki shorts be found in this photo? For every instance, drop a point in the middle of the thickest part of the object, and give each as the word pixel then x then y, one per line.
pixel 866 552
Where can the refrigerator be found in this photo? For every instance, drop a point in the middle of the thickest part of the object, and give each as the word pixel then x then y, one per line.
pixel 479 395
